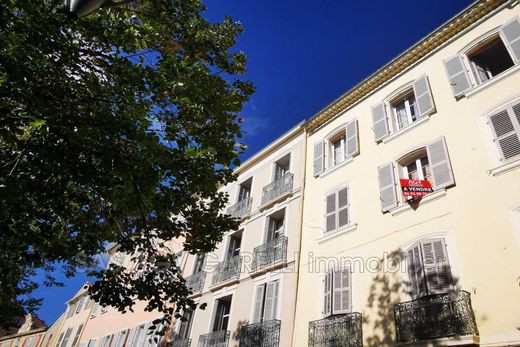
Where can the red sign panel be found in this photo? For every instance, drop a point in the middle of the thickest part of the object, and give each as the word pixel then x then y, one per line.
pixel 416 188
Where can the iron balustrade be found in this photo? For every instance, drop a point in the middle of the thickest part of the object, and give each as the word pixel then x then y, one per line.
pixel 277 188
pixel 241 208
pixel 215 339
pixel 269 253
pixel 227 270
pixel 435 316
pixel 179 342
pixel 195 282
pixel 263 334
pixel 337 331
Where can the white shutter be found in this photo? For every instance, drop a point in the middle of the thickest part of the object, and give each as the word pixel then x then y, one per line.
pixel 440 164
pixel 130 338
pixel 94 311
pixel 343 215
pixel 380 121
pixel 423 96
pixel 436 265
pixel 330 212
pixel 327 296
pixel 341 301
pixel 506 130
pixel 318 158
pixel 387 188
pixel 510 33
pixel 457 75
pixel 352 139
pixel 415 271
pixel 259 300
pixel 271 300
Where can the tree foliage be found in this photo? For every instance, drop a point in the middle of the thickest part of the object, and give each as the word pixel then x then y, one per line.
pixel 118 127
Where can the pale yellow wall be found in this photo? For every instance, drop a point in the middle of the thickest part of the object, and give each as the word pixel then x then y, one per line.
pixel 51 336
pixel 474 215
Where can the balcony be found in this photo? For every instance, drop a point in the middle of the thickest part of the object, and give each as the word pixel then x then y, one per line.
pixel 269 253
pixel 342 330
pixel 241 209
pixel 226 271
pixel 215 339
pixel 434 317
pixel 195 282
pixel 277 189
pixel 264 334
pixel 178 342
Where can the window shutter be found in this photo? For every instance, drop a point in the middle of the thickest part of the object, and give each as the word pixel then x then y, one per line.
pixel 95 310
pixel 423 96
pixel 510 33
pixel 330 216
pixel 380 121
pixel 506 136
pixel 131 335
pixel 440 164
pixel 352 139
pixel 436 266
pixel 343 217
pixel 387 188
pixel 342 298
pixel 327 297
pixel 271 300
pixel 318 158
pixel 457 75
pixel 415 271
pixel 259 300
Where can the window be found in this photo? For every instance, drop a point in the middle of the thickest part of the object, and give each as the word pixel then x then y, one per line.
pixel 505 128
pixel 430 163
pixel 107 341
pixel 266 301
pixel 121 337
pixel 235 241
pixel 489 58
pixel 275 225
pixel 199 263
pixel 411 103
pixel 185 325
pixel 138 335
pixel 79 304
pixel 340 145
pixel 336 210
pixel 66 337
pixel 428 267
pixel 337 298
pixel 76 337
pixel 92 343
pixel 221 319
pixel 281 167
pixel 244 191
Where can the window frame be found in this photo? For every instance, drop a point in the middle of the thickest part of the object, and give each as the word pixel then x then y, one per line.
pixel 329 289
pixel 275 305
pixel 337 210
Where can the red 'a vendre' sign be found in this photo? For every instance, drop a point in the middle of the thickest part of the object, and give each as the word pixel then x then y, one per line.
pixel 416 188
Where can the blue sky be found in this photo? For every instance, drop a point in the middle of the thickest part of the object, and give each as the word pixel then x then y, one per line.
pixel 301 56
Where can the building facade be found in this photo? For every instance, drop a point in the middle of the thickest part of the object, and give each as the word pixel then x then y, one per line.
pixel 30 332
pixel 437 270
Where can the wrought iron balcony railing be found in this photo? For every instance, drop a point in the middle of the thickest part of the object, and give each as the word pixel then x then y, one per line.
pixel 195 282
pixel 241 208
pixel 435 316
pixel 335 331
pixel 277 188
pixel 215 339
pixel 263 334
pixel 227 270
pixel 269 253
pixel 178 342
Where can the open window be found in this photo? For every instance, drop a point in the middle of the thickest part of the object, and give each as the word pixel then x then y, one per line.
pixel 222 311
pixel 266 301
pixel 244 190
pixel 199 263
pixel 235 242
pixel 281 167
pixel 337 298
pixel 275 225
pixel 185 324
pixel 489 58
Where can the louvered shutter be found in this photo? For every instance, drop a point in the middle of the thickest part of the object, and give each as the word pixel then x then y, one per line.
pixel 145 338
pixel 423 96
pixel 341 301
pixel 318 158
pixel 436 265
pixel 440 164
pixel 457 75
pixel 95 310
pixel 259 300
pixel 506 130
pixel 510 32
pixel 327 296
pixel 380 121
pixel 330 212
pixel 387 188
pixel 130 338
pixel 415 271
pixel 343 216
pixel 352 139
pixel 271 300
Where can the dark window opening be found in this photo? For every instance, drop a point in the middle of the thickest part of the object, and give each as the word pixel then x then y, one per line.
pixel 490 59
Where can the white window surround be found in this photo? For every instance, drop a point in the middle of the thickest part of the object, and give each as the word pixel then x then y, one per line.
pixel 335 168
pixel 405 129
pixel 341 231
pixel 267 221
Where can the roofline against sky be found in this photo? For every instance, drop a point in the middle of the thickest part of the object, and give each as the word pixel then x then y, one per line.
pixel 417 52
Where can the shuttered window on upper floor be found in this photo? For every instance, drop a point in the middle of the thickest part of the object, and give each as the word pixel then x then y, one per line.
pixel 505 127
pixel 337 296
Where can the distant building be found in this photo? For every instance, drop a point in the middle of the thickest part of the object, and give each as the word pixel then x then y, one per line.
pixel 29 334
